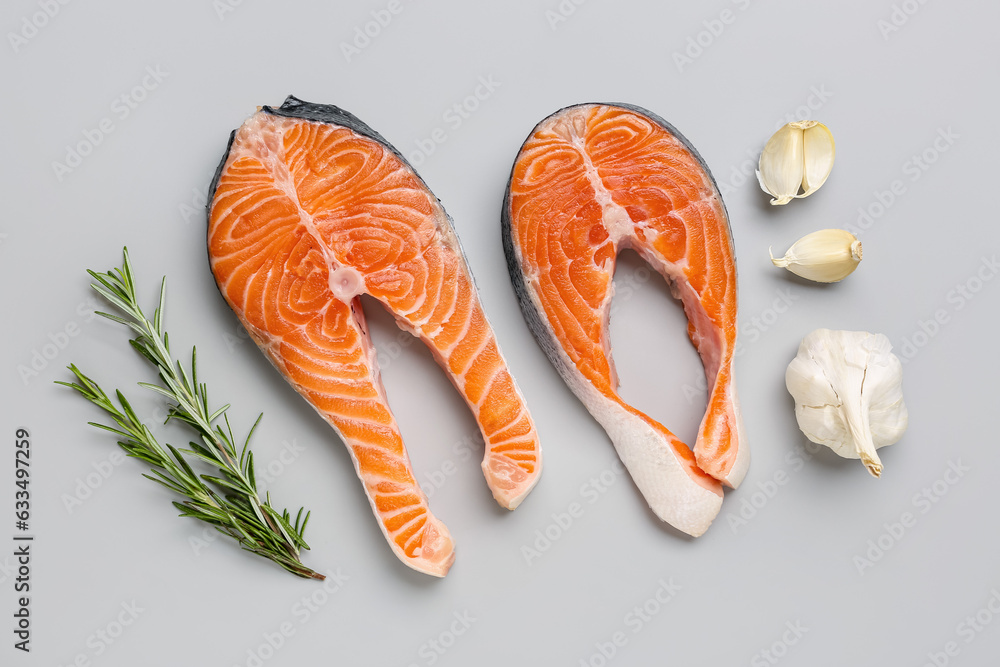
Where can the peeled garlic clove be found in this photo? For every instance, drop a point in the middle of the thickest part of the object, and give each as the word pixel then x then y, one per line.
pixel 799 156
pixel 826 256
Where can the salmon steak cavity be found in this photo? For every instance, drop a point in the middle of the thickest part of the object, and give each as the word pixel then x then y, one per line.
pixel 311 209
pixel 589 181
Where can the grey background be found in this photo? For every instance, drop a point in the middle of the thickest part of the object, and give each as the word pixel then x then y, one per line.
pixel 885 97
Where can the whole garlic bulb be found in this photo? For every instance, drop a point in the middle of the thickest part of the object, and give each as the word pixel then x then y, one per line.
pixel 848 391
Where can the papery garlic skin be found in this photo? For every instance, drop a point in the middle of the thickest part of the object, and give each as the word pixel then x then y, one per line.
pixel 799 156
pixel 848 391
pixel 826 256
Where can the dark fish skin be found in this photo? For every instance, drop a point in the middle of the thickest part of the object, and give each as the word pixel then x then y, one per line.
pixel 218 174
pixel 293 107
pixel 535 319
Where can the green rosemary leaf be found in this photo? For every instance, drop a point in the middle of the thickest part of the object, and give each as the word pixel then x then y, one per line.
pixel 250 470
pixel 143 350
pixel 167 482
pixel 226 483
pixel 221 411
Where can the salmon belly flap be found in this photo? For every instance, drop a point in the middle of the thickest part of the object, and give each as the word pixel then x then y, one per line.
pixel 311 209
pixel 589 181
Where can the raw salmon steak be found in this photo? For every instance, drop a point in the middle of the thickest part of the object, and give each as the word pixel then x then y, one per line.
pixel 591 180
pixel 309 210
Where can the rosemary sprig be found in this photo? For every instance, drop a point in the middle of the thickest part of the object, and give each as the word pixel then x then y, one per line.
pixel 229 500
